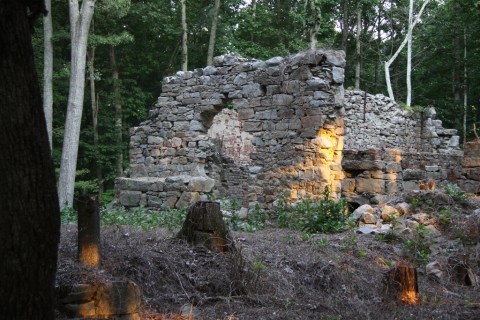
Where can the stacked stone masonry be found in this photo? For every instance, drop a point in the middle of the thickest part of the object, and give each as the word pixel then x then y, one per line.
pixel 389 150
pixel 257 130
pixel 250 130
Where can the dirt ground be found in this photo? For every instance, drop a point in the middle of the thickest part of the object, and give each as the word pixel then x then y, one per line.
pixel 276 274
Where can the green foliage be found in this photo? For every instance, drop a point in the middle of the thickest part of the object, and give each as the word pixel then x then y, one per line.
pixel 144 218
pixel 139 216
pixel 314 216
pixel 323 242
pixel 390 236
pixel 418 248
pixel 444 217
pixel 107 196
pixel 258 265
pixel 350 243
pixel 84 186
pixel 256 218
pixel 454 191
pixel 68 215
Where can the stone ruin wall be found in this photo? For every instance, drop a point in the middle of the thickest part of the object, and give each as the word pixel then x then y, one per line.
pixel 249 130
pixel 389 150
pixel 256 130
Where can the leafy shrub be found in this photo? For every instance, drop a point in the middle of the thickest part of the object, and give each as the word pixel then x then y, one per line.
pixel 454 191
pixel 256 218
pixel 314 216
pixel 418 248
pixel 444 217
pixel 144 218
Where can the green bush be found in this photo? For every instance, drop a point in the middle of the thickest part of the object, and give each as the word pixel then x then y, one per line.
pixel 418 248
pixel 144 218
pixel 256 219
pixel 454 191
pixel 314 216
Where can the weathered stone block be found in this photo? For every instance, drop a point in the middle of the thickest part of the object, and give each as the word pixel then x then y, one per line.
pixel 314 122
pixel 413 174
pixel 282 99
pixel 317 84
pixel 201 184
pixel 129 198
pixel 338 75
pixel 244 114
pixel 251 126
pixel 187 199
pixel 371 186
pixel 471 162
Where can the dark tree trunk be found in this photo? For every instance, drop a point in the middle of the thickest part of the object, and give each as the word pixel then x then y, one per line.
pixel 118 112
pixel 204 226
pixel 29 214
pixel 456 66
pixel 88 210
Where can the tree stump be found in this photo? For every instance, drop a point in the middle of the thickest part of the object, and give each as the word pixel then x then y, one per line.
pixel 204 226
pixel 88 230
pixel 401 284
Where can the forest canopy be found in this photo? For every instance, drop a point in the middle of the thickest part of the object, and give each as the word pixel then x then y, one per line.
pixel 133 44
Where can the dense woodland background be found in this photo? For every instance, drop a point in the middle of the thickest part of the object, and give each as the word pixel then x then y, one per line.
pixel 133 44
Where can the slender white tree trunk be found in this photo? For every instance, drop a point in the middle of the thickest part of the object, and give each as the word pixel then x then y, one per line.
pixel 79 26
pixel 184 36
pixel 48 70
pixel 358 48
pixel 315 16
pixel 400 48
pixel 409 55
pixel 213 33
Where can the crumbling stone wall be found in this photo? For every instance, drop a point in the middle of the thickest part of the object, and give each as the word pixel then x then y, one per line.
pixel 251 130
pixel 389 150
pixel 375 122
pixel 257 130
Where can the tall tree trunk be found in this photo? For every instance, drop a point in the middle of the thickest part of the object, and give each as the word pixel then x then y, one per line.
pixel 378 65
pixel 358 51
pixel 465 88
pixel 409 55
pixel 315 16
pixel 213 33
pixel 94 107
pixel 30 218
pixel 48 69
pixel 79 26
pixel 118 112
pixel 345 25
pixel 402 45
pixel 254 15
pixel 456 82
pixel 184 36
